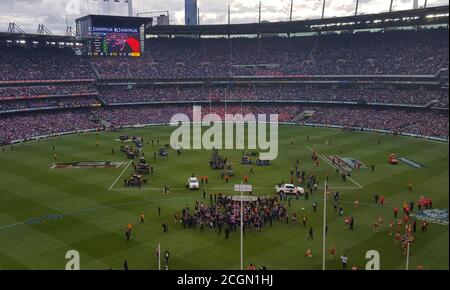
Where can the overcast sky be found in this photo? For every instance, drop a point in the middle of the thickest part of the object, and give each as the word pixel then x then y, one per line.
pixel 27 14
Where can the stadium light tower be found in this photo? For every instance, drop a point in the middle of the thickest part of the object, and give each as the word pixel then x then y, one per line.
pixel 259 15
pixel 292 9
pixel 356 8
pixel 390 7
pixel 130 7
pixel 323 8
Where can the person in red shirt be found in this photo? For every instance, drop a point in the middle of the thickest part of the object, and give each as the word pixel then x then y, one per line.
pixel 251 267
pixel 396 212
pixel 333 252
pixel 407 211
pixel 382 199
pixel 397 237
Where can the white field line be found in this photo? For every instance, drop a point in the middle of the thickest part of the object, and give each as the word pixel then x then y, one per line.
pixel 331 164
pixel 114 183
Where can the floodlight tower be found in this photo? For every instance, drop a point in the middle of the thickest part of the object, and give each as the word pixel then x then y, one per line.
pixel 130 7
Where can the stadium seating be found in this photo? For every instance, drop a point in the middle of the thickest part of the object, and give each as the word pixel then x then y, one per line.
pixel 25 126
pixel 18 63
pixel 66 106
pixel 289 93
pixel 389 53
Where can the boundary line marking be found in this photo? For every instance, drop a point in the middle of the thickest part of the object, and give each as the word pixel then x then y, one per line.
pixel 331 164
pixel 78 211
pixel 112 185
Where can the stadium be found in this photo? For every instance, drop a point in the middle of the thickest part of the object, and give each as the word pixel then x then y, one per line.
pixel 90 171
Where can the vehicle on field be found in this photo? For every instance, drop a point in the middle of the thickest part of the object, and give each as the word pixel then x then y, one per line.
pixel 143 168
pixel 163 152
pixel 192 183
pixel 261 162
pixel 245 160
pixel 289 189
pixel 229 173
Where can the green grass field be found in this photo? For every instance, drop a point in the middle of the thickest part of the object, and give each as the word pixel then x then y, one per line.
pixel 95 211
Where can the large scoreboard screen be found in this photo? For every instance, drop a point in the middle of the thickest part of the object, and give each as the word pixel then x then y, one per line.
pixel 113 36
pixel 116 41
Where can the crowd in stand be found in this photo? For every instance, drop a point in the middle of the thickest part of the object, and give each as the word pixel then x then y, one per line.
pixel 426 123
pixel 128 116
pixel 291 93
pixel 166 94
pixel 18 63
pixel 422 122
pixel 60 102
pixel 24 92
pixel 397 52
pixel 27 126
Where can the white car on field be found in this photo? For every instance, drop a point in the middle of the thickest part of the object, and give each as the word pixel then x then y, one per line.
pixel 290 189
pixel 192 183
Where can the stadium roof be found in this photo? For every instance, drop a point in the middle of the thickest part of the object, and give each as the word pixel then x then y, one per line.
pixel 416 17
pixel 112 20
pixel 38 37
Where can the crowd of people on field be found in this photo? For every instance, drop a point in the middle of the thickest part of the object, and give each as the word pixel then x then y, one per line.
pixel 223 214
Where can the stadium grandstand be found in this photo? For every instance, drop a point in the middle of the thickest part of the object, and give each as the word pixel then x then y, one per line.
pixel 386 72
